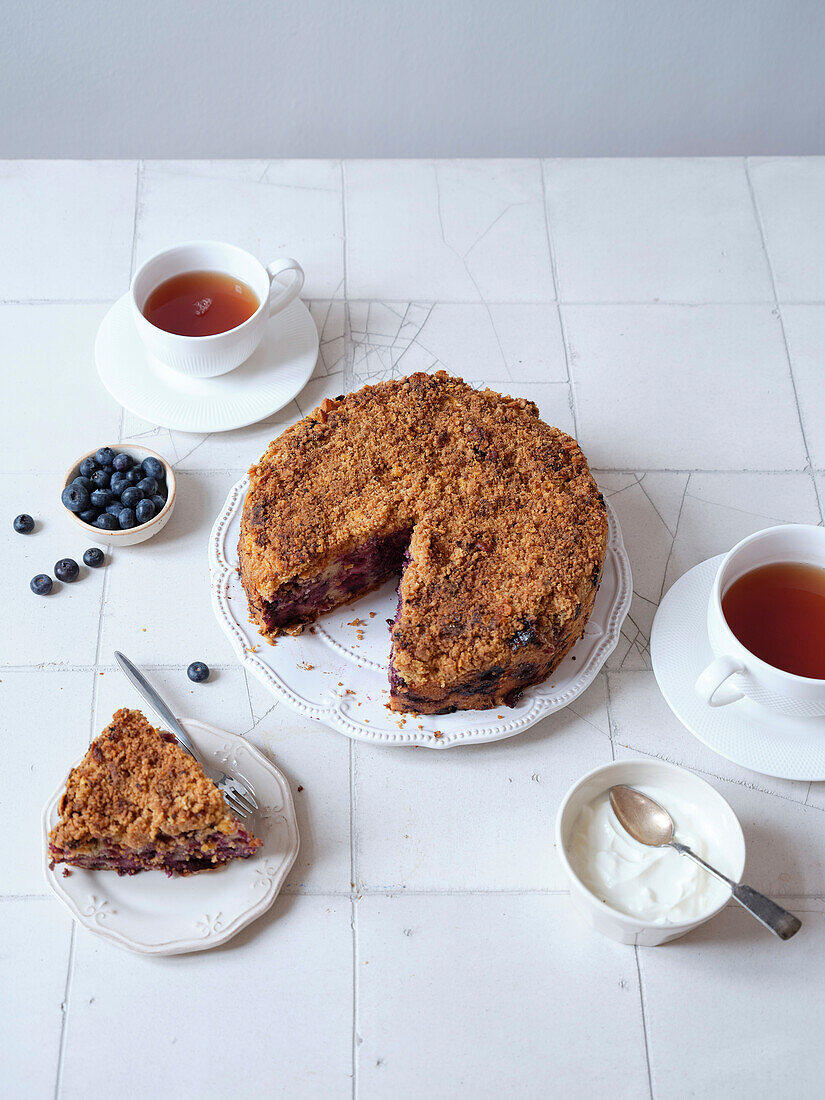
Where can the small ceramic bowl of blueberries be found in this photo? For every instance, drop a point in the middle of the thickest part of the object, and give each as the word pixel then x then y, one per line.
pixel 124 495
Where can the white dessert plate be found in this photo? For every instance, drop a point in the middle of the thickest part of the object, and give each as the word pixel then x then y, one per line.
pixel 336 672
pixel 743 732
pixel 278 370
pixel 154 915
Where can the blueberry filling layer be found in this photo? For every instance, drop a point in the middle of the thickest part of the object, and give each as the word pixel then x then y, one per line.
pixel 196 854
pixel 351 575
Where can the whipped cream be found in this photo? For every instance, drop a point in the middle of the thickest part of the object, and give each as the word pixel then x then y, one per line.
pixel 652 884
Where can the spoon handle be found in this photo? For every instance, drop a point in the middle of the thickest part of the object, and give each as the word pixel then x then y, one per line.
pixel 773 916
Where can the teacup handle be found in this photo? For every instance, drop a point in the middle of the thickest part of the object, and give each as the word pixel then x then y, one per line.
pixel 709 683
pixel 280 299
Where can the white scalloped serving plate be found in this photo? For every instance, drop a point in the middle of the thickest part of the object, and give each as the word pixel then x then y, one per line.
pixel 155 915
pixel 336 672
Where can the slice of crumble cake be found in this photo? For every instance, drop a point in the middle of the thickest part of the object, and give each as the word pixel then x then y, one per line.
pixel 137 801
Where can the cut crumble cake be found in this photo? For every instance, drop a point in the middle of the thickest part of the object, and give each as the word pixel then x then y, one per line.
pixel 137 801
pixel 490 515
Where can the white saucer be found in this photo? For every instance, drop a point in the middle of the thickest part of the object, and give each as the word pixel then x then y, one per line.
pixel 336 672
pixel 279 369
pixel 747 734
pixel 155 915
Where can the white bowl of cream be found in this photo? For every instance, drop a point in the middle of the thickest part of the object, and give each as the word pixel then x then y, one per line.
pixel 638 894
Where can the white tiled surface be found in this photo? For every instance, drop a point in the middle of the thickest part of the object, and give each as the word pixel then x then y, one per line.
pixel 672 315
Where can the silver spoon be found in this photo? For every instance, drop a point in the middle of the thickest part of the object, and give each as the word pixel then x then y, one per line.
pixel 649 823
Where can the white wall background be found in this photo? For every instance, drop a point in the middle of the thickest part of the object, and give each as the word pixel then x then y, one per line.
pixel 386 78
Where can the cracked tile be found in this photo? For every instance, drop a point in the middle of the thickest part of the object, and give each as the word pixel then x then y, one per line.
pixel 711 994
pixel 298 955
pixel 66 228
pixel 456 231
pixel 36 936
pixel 785 838
pixel 271 217
pixel 41 347
pixel 679 387
pixel 478 971
pixel 789 192
pixel 422 826
pixel 640 230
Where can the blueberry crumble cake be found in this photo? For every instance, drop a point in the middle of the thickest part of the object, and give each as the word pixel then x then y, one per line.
pixel 491 517
pixel 137 801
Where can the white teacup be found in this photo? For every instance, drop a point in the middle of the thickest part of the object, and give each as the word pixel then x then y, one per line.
pixel 208 356
pixel 737 673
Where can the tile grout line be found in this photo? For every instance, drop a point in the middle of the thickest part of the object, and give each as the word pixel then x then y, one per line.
pixel 61 1050
pixel 95 678
pixel 644 1021
pixel 609 706
pixel 778 308
pixel 571 388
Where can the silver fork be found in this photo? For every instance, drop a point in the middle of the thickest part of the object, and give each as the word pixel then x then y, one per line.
pixel 239 796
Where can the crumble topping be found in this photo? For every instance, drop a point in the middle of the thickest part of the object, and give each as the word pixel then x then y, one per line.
pixel 505 533
pixel 136 787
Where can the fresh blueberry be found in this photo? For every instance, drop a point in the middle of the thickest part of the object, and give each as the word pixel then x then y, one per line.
pixel 101 479
pixel 144 511
pixel 118 483
pixel 134 475
pixel 66 570
pixel 100 498
pixel 153 468
pixel 107 522
pixel 122 461
pixel 90 515
pixel 105 456
pixel 198 672
pixel 149 486
pixel 86 482
pixel 131 496
pixel 94 557
pixel 159 503
pixel 41 585
pixel 88 467
pixel 23 524
pixel 126 519
pixel 75 498
pixel 115 508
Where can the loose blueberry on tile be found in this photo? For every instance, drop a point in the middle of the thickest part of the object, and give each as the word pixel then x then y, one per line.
pixel 126 519
pixel 105 456
pixel 41 585
pixel 100 498
pixel 101 479
pixel 75 498
pixel 148 486
pixel 88 467
pixel 144 511
pixel 66 570
pixel 122 461
pixel 107 522
pixel 131 496
pixel 23 524
pixel 115 508
pixel 90 515
pixel 86 482
pixel 198 672
pixel 94 557
pixel 153 468
pixel 159 502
